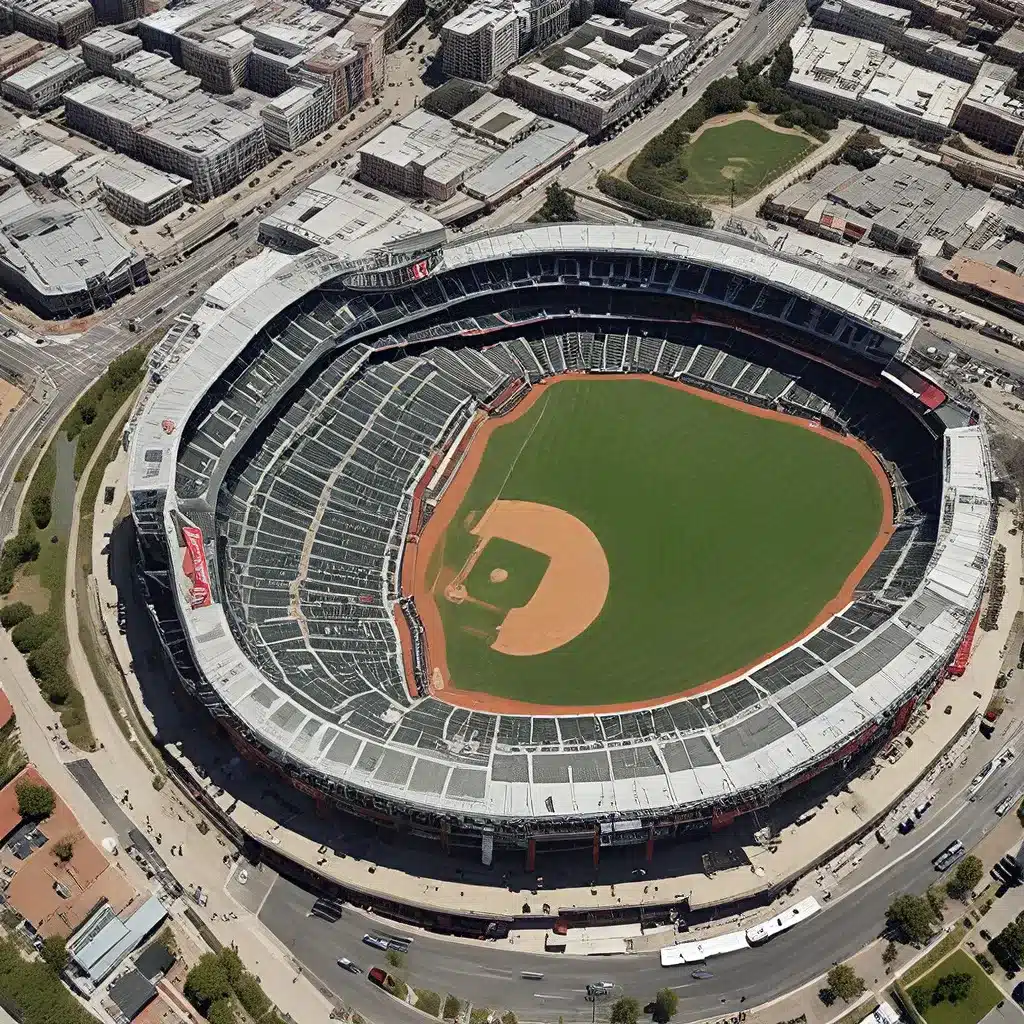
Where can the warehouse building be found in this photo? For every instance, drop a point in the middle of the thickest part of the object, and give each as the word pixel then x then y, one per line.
pixel 992 111
pixel 41 85
pixel 62 22
pixel 213 145
pixel 111 112
pixel 156 74
pixel 337 209
pixel 102 49
pixel 61 260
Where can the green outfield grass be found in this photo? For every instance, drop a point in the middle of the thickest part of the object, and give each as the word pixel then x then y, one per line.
pixel 725 535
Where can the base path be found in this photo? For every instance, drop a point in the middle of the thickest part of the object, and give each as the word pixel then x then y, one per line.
pixel 418 553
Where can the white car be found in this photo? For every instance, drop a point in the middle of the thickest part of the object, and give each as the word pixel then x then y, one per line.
pixel 346 965
pixel 375 941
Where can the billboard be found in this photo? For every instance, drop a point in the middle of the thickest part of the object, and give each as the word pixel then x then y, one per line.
pixel 195 566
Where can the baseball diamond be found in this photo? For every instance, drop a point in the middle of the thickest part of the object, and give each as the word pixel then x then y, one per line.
pixel 716 536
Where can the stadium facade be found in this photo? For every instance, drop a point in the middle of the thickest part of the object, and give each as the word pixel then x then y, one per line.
pixel 300 431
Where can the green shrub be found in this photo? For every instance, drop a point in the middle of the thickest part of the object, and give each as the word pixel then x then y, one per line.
pixel 666 209
pixel 39 506
pixel 32 632
pixel 12 614
pixel 34 800
pixel 452 1007
pixel 428 1001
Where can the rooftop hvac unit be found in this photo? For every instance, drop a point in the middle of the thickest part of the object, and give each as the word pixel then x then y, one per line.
pixel 62 890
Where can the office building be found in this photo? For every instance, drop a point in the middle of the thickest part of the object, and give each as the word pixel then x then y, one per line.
pixel 217 52
pixel 369 40
pixel 496 119
pixel 297 115
pixel 929 48
pixel 62 22
pixel 341 70
pixel 867 19
pixel 395 17
pixel 111 112
pixel 18 50
pixel 102 49
pixel 1009 48
pixel 213 145
pixel 41 85
pixel 117 12
pixel 161 30
pixel 137 194
pixel 482 42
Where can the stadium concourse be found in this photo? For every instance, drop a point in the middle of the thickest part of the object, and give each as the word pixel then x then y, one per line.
pixel 286 447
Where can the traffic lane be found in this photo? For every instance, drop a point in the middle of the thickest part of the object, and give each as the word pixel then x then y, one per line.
pixel 490 973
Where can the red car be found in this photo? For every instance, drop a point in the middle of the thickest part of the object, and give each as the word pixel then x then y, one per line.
pixel 378 976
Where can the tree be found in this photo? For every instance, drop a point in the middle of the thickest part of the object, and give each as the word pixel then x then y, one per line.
pixel 953 988
pixel 54 952
pixel 782 66
pixel 559 205
pixel 913 916
pixel 1008 946
pixel 666 1002
pixel 921 998
pixel 12 614
pixel 625 1010
pixel 221 1012
pixel 34 800
pixel 827 996
pixel 40 508
pixel 64 849
pixel 395 959
pixel 936 896
pixel 890 954
pixel 452 1007
pixel 206 983
pixel 969 872
pixel 845 982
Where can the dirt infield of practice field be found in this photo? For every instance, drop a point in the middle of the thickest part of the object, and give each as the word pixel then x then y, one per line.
pixel 424 554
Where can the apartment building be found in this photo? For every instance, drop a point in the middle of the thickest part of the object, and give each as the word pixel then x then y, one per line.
pixel 117 12
pixel 62 22
pixel 217 52
pixel 369 40
pixel 341 71
pixel 102 49
pixel 213 145
pixel 18 50
pixel 1009 48
pixel 137 194
pixel 111 112
pixel 297 115
pixel 282 41
pixel 483 41
pixel 160 31
pixel 865 18
pixel 40 85
pixel 395 17
pixel 992 112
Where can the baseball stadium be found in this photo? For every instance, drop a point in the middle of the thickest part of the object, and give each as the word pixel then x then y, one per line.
pixel 557 535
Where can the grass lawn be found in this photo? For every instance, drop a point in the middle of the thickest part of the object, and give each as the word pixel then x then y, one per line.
pixel 745 152
pixel 983 996
pixel 725 534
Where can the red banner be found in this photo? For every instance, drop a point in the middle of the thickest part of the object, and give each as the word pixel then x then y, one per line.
pixel 958 665
pixel 200 571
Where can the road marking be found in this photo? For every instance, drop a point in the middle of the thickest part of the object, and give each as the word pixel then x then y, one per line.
pixel 542 995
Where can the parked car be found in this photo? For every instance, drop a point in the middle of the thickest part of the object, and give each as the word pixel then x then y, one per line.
pixel 375 941
pixel 378 976
pixel 346 965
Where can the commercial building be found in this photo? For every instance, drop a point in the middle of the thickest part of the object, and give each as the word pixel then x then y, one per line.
pixel 868 19
pixel 63 22
pixel 598 84
pixel 156 74
pixel 1009 48
pixel 932 49
pixel 369 39
pixel 421 155
pixel 523 163
pixel 34 152
pixel 992 111
pixel 284 35
pixel 855 77
pixel 297 115
pixel 55 897
pixel 900 205
pixel 483 41
pixel 337 209
pixel 111 112
pixel 137 194
pixel 40 85
pixel 394 17
pixel 688 17
pixel 18 50
pixel 342 71
pixel 996 287
pixel 106 938
pixel 105 47
pixel 161 30
pixel 211 144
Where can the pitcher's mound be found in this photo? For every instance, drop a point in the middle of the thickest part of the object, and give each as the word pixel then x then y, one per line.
pixel 499 575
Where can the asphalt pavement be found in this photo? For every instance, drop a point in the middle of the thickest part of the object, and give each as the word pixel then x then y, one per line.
pixel 490 973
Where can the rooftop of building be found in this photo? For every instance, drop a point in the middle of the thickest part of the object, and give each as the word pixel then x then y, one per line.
pixel 337 208
pixel 523 160
pixel 992 89
pixel 1012 39
pixel 326 59
pixel 834 62
pixel 156 74
pixel 597 84
pixel 487 12
pixel 496 117
pixel 199 124
pixel 219 38
pixel 429 142
pixel 382 10
pixel 878 10
pixel 174 19
pixel 112 41
pixel 136 180
pixel 54 10
pixel 929 95
pixel 131 993
pixel 995 281
pixel 17 44
pixel 290 102
pixel 936 39
pixel 54 65
pixel 126 103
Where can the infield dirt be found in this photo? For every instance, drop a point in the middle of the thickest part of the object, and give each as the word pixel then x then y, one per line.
pixel 720 616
